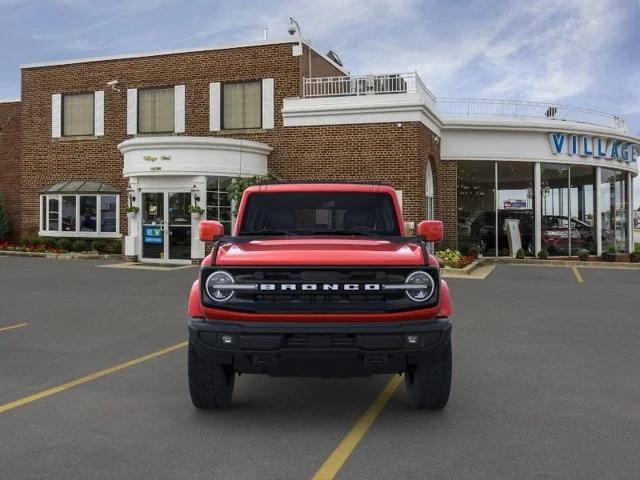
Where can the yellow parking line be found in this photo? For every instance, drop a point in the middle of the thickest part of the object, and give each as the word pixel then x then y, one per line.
pixel 79 381
pixel 577 274
pixel 11 327
pixel 334 463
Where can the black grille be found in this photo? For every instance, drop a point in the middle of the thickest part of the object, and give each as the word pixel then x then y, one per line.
pixel 330 301
pixel 320 341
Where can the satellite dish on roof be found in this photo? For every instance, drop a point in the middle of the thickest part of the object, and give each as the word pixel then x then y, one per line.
pixel 334 56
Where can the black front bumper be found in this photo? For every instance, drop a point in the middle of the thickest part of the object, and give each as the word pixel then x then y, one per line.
pixel 319 349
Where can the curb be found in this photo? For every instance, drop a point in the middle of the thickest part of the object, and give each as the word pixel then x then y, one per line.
pixel 562 263
pixel 61 256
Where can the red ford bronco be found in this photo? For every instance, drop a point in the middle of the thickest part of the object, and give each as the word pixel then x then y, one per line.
pixel 319 280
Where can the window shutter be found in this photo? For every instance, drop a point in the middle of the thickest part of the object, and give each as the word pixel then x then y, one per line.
pixel 267 103
pixel 56 115
pixel 98 113
pixel 214 107
pixel 132 111
pixel 179 91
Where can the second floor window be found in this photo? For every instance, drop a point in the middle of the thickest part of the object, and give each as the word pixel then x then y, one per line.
pixel 242 105
pixel 77 114
pixel 156 110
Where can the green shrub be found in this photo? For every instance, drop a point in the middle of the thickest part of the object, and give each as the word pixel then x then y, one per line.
pixel 543 254
pixel 49 242
pixel 520 254
pixel 636 248
pixel 450 258
pixel 473 252
pixel 114 246
pixel 79 246
pixel 583 255
pixel 610 254
pixel 98 246
pixel 64 244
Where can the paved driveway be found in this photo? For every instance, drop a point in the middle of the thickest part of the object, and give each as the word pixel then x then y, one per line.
pixel 546 385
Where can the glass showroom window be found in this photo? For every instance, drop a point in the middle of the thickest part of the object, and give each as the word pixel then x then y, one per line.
pixel 218 203
pixel 77 115
pixel 242 105
pixel 554 186
pixel 614 208
pixel 582 201
pixel 515 203
pixel 477 206
pixel 78 215
pixel 156 110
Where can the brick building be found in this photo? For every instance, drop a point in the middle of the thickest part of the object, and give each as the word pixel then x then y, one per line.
pixel 160 132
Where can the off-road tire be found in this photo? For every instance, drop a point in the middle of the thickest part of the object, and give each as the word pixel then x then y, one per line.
pixel 210 384
pixel 428 385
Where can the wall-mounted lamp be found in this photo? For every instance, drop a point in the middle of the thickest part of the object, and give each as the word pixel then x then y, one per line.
pixel 132 194
pixel 195 192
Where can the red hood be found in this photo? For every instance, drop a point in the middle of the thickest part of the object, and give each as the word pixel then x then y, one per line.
pixel 320 251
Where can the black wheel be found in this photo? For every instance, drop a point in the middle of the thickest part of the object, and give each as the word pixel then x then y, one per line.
pixel 428 385
pixel 210 384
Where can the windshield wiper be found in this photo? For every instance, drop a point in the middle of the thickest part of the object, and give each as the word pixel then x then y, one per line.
pixel 268 232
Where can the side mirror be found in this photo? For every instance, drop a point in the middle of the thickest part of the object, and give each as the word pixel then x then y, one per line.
pixel 430 230
pixel 209 230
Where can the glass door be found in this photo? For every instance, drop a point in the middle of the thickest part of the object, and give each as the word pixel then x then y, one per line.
pixel 179 221
pixel 153 225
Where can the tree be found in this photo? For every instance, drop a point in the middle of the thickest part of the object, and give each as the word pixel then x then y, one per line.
pixel 240 184
pixel 4 220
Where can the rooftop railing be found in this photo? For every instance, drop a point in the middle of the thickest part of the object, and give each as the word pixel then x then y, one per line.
pixel 523 109
pixel 393 83
pixel 411 83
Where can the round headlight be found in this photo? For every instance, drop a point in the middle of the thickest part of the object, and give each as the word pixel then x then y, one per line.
pixel 215 286
pixel 424 286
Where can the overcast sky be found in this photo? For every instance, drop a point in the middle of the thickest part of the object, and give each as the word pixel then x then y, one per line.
pixel 582 52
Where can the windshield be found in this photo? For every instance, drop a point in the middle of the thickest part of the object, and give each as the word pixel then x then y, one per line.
pixel 319 213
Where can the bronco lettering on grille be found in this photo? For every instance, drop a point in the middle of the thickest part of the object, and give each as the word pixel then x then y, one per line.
pixel 311 287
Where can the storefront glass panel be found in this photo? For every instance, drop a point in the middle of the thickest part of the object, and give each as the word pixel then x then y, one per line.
pixel 582 202
pixel 516 220
pixel 179 226
pixel 614 210
pixel 88 214
pixel 69 213
pixel 218 203
pixel 476 207
pixel 554 186
pixel 153 225
pixel 108 212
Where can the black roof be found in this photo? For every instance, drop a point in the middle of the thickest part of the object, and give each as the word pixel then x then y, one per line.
pixel 81 186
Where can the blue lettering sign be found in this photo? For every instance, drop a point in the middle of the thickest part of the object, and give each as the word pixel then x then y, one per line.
pixel 601 147
pixel 634 153
pixel 153 236
pixel 573 145
pixel 557 142
pixel 624 152
pixel 586 147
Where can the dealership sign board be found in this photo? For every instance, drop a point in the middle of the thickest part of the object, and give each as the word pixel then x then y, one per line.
pixel 593 146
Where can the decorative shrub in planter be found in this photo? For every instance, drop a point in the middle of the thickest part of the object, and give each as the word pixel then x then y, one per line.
pixel 543 254
pixel 79 246
pixel 473 252
pixel 520 254
pixel 634 257
pixel 583 255
pixel 610 255
pixel 450 258
pixel 196 211
pixel 98 246
pixel 114 247
pixel 64 244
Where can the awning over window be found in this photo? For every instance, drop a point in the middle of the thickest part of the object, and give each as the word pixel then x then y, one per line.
pixel 81 186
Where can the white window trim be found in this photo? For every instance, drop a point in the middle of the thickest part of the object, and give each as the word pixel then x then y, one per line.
pixel 215 107
pixel 78 233
pixel 179 109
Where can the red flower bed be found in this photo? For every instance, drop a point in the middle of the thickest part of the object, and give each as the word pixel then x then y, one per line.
pixel 36 248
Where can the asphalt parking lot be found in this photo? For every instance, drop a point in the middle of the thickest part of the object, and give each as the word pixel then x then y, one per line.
pixel 546 384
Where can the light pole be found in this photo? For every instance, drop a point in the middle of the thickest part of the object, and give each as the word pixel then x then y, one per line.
pixel 294 27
